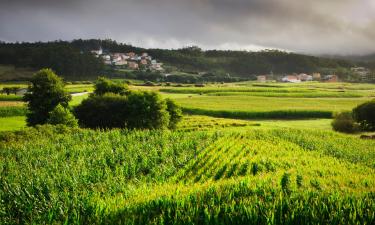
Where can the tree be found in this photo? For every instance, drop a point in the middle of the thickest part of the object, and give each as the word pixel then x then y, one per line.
pixel 175 113
pixel 44 94
pixel 103 86
pixel 61 115
pixel 365 115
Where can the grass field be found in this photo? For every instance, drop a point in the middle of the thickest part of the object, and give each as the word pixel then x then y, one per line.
pixel 270 176
pixel 12 123
pixel 210 170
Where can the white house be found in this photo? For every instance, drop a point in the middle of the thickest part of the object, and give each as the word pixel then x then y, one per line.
pixel 291 79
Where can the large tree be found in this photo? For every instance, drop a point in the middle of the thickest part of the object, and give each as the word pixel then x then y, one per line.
pixel 44 94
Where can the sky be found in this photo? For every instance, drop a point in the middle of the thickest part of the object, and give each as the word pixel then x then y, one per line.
pixel 344 27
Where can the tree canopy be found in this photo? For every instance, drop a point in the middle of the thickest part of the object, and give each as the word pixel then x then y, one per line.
pixel 44 94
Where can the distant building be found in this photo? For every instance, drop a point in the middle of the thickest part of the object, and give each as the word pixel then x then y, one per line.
pixel 121 63
pixel 262 78
pixel 144 62
pixel 330 78
pixel 157 66
pixel 291 79
pixel 316 76
pixel 305 77
pixel 133 65
pixel 362 72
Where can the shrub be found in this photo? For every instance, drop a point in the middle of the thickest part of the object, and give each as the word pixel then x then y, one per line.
pixel 103 86
pixel 61 115
pixel 175 113
pixel 142 110
pixel 147 110
pixel 364 114
pixel 93 112
pixel 344 122
pixel 44 94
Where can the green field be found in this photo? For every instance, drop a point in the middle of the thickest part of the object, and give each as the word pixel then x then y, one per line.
pixel 274 176
pixel 274 159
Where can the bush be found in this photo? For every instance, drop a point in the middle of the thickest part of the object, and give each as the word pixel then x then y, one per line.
pixel 103 86
pixel 175 113
pixel 44 94
pixel 344 122
pixel 142 110
pixel 61 115
pixel 147 110
pixel 364 114
pixel 93 112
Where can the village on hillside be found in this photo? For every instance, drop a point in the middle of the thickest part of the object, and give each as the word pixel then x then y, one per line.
pixel 129 60
pixel 363 73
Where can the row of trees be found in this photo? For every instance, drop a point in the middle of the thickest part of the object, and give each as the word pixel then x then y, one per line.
pixel 112 105
pixel 63 57
pixel 10 90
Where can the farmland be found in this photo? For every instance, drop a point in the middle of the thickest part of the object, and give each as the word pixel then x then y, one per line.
pixel 273 160
pixel 122 177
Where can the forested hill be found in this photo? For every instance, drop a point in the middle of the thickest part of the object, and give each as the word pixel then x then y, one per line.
pixel 73 59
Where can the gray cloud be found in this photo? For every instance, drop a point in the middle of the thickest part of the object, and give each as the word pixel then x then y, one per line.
pixel 311 26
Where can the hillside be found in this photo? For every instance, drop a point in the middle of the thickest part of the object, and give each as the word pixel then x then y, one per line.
pixel 73 60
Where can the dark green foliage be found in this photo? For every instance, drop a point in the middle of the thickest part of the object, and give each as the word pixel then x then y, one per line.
pixel 285 183
pixel 103 86
pixel 147 110
pixel 299 180
pixel 63 57
pixel 9 90
pixel 281 114
pixel 137 110
pixel 344 122
pixel 63 116
pixel 175 113
pixel 107 111
pixel 365 115
pixel 44 94
pixel 9 111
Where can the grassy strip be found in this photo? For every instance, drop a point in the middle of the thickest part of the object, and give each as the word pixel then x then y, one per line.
pixel 10 111
pixel 279 114
pixel 205 90
pixel 294 94
pixel 10 97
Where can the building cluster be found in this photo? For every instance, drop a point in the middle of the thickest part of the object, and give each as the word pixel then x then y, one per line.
pixel 302 77
pixel 363 73
pixel 129 60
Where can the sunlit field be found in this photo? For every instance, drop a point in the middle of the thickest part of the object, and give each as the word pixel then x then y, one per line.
pixel 285 167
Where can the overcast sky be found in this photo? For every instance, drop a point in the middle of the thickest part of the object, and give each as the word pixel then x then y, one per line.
pixel 308 26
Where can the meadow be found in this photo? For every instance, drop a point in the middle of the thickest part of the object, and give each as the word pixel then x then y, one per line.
pixel 273 160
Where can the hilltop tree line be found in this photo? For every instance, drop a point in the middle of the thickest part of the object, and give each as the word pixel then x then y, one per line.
pixel 73 59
